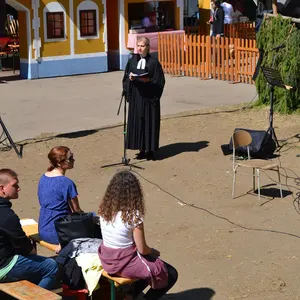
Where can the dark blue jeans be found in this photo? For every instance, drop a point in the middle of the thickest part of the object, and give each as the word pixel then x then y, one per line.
pixel 37 269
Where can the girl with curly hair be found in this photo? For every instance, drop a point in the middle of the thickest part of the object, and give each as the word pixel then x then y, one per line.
pixel 124 251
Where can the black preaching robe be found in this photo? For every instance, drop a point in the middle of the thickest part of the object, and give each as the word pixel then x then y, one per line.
pixel 144 103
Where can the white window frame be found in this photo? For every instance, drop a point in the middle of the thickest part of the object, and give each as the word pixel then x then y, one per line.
pixel 88 5
pixel 53 7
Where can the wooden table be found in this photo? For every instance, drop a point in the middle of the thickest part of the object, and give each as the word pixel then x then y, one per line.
pixel 13 46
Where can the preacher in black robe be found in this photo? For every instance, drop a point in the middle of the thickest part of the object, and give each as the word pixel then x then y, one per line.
pixel 143 95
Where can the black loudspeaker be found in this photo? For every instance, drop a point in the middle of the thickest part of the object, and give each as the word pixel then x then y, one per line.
pixel 262 145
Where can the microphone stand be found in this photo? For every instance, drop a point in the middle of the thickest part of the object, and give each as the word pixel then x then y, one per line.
pixel 124 161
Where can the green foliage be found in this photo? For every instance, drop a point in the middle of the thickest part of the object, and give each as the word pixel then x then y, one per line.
pixel 276 31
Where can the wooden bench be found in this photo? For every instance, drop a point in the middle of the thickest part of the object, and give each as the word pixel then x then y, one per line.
pixel 32 232
pixel 25 290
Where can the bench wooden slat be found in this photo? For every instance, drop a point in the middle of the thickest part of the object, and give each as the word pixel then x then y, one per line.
pixel 32 231
pixel 25 290
pixel 118 280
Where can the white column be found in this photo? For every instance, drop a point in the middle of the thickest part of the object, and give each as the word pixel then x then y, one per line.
pixel 72 37
pixel 29 40
pixel 124 53
pixel 104 20
pixel 36 22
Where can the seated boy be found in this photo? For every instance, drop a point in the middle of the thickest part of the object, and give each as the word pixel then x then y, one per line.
pixel 18 259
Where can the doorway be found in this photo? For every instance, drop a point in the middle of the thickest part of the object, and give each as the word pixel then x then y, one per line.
pixel 113 53
pixel 16 62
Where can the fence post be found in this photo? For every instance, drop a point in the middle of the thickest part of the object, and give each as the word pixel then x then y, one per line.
pixel 194 62
pixel 159 49
pixel 183 49
pixel 177 46
pixel 198 70
pixel 250 61
pixel 237 60
pixel 208 57
pixel 172 53
pixel 203 56
pixel 218 51
pixel 227 58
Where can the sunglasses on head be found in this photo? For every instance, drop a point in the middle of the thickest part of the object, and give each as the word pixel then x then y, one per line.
pixel 70 159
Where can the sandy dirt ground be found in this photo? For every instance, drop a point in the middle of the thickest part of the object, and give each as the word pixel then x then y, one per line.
pixel 222 248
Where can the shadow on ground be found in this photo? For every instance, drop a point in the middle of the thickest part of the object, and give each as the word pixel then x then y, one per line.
pixel 77 134
pixel 7 79
pixel 69 135
pixel 193 294
pixel 269 193
pixel 274 192
pixel 177 148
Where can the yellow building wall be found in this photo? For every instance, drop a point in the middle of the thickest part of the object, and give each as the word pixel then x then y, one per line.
pixel 89 45
pixel 55 48
pixel 204 4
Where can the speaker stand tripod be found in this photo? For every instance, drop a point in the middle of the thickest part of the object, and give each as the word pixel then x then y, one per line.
pixel 273 78
pixel 124 161
pixel 5 136
pixel 271 129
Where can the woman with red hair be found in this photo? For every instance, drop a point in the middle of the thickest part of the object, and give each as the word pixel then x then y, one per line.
pixel 57 193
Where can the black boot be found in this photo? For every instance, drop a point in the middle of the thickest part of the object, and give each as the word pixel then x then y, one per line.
pixel 150 155
pixel 141 155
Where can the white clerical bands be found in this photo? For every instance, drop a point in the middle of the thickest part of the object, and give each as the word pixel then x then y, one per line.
pixel 141 64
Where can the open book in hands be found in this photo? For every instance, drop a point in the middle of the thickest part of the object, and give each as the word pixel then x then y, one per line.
pixel 139 75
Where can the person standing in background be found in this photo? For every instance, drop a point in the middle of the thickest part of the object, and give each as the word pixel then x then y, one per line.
pixel 228 12
pixel 217 19
pixel 237 11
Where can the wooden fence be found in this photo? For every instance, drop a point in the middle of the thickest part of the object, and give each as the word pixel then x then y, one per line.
pixel 230 59
pixel 237 30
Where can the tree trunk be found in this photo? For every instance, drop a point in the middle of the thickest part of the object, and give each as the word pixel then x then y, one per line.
pixel 275 7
